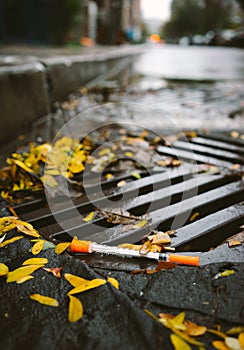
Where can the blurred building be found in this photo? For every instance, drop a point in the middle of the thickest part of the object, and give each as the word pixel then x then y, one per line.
pixel 106 22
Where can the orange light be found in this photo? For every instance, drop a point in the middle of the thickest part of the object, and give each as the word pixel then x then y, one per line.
pixel 86 41
pixel 155 38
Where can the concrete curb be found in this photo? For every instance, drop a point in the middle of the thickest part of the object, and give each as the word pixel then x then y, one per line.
pixel 30 85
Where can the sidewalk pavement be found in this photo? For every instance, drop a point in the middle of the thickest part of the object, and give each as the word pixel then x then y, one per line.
pixel 32 79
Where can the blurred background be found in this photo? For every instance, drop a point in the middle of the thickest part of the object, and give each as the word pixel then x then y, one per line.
pixel 115 22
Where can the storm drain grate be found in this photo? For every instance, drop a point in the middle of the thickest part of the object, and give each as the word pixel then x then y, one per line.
pixel 170 197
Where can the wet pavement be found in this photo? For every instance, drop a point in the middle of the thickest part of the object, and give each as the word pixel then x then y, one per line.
pixel 115 318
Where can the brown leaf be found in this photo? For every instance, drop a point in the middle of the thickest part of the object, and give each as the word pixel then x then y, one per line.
pixel 44 300
pixel 146 247
pixel 236 239
pixel 162 265
pixel 75 309
pixel 56 271
pixel 193 329
pixel 160 238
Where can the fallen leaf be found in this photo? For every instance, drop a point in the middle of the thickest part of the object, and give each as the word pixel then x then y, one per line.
pixel 35 261
pixel 121 183
pixel 109 176
pixel 3 269
pixel 223 274
pixel 130 246
pixel 140 224
pixel 193 329
pixel 37 247
pixel 21 272
pixel 89 217
pixel 56 271
pixel 208 169
pixel 97 282
pixel 179 343
pixel 178 321
pixel 217 332
pixel 182 334
pixel 44 300
pixel 9 241
pixel 234 134
pixel 235 330
pixel 233 343
pixel 24 279
pixel 75 281
pixel 129 154
pixel 235 166
pixel 135 174
pixel 49 180
pixel 160 238
pixel 146 247
pixel 236 239
pixel 241 340
pixel 162 265
pixel 194 216
pixel 26 228
pixel 75 309
pixel 114 282
pixel 61 247
pixel 220 345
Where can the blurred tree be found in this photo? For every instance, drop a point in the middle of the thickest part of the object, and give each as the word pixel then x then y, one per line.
pixel 190 17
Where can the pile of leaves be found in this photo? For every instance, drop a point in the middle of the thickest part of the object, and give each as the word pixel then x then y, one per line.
pixel 184 333
pixel 105 151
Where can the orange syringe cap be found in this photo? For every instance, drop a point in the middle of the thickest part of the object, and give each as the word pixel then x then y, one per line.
pixel 184 259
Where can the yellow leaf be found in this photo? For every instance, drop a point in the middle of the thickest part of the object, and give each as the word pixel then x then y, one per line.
pixel 178 343
pixel 3 269
pixel 89 217
pixel 44 300
pixel 75 281
pixel 23 166
pixel 227 273
pixel 235 330
pixel 233 343
pixel 8 241
pixel 35 261
pixel 184 336
pixel 140 224
pixel 75 309
pixel 61 247
pixel 135 174
pixel 129 154
pixel 97 282
pixel 24 279
pixel 104 151
pixel 26 228
pixel 178 321
pixel 37 247
pixel 53 172
pixel 220 345
pixel 109 176
pixel 194 216
pixel 114 282
pixel 22 271
pixel 241 340
pixel 217 332
pixel 76 166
